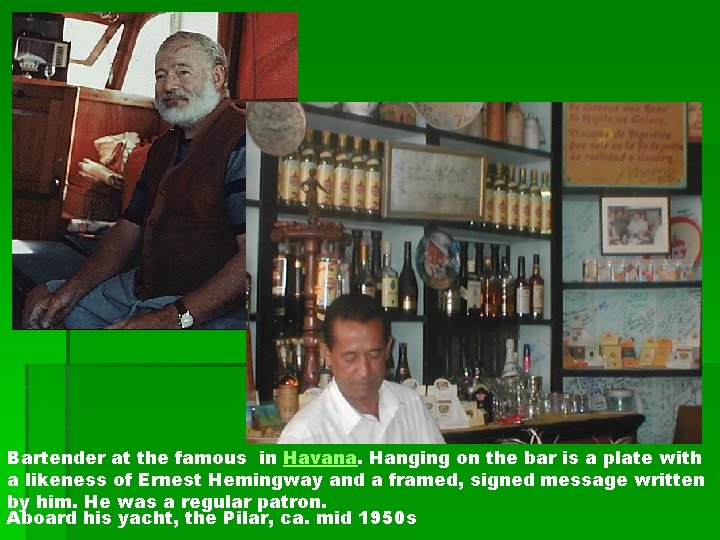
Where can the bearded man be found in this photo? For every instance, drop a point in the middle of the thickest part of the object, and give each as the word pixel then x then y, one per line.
pixel 186 216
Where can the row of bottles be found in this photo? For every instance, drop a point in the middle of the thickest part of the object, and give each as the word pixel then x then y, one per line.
pixel 352 181
pixel 397 293
pixel 486 288
pixel 374 275
pixel 368 271
pixel 513 204
pixel 348 180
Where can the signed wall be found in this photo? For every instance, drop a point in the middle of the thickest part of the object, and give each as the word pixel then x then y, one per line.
pixel 635 313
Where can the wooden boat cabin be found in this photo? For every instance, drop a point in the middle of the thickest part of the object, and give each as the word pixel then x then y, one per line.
pixel 84 117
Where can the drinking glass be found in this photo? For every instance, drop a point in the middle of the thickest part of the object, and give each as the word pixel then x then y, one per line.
pixel 49 71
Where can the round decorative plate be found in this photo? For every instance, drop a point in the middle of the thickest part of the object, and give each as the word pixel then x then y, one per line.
pixel 448 115
pixel 277 127
pixel 685 238
pixel 437 260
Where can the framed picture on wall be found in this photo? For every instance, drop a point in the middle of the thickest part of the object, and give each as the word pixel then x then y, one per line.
pixel 635 225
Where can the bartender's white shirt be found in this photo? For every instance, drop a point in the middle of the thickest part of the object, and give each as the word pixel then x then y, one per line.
pixel 329 418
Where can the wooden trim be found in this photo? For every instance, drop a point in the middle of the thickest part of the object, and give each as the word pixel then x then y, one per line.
pixel 116 97
pixel 125 49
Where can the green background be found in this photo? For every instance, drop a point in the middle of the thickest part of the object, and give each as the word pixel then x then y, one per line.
pixel 164 391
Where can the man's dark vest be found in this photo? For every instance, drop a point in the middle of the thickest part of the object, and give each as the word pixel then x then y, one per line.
pixel 187 234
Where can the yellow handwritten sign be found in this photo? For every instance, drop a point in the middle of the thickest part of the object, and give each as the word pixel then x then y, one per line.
pixel 625 144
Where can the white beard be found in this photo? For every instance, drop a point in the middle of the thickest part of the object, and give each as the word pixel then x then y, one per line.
pixel 199 105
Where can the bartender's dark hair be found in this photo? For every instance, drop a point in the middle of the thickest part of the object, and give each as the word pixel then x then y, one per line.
pixel 357 308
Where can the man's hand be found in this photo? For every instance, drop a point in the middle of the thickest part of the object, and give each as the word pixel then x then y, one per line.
pixel 164 319
pixel 51 310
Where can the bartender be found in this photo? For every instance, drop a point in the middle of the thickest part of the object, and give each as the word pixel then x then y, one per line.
pixel 359 406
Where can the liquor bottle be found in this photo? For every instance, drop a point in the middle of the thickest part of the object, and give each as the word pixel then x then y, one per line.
pixel 308 162
pixel 356 240
pixel 546 204
pixel 513 208
pixel 287 391
pixel 537 290
pixel 522 291
pixel 507 291
pixel 279 289
pixel 407 284
pixel 527 361
pixel 373 187
pixel 403 368
pixel 474 284
pixel 344 269
pixel 298 345
pixel 491 290
pixel 365 281
pixel 294 299
pixel 489 195
pixel 289 192
pixel 496 283
pixel 341 186
pixel 523 202
pixel 389 280
pixel 326 172
pixel 326 285
pixel 358 177
pixel 463 278
pixel 390 367
pixel 535 203
pixel 376 261
pixel 500 198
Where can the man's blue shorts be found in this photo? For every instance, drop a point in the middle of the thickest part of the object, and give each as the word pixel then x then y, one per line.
pixel 114 300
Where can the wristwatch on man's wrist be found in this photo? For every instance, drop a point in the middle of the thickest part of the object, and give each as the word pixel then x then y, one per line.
pixel 185 318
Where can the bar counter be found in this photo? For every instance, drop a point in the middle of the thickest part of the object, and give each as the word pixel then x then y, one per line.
pixel 588 428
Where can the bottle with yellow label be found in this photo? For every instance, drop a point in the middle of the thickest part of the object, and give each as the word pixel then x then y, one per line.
pixel 523 202
pixel 500 198
pixel 373 187
pixel 513 208
pixel 358 177
pixel 341 187
pixel 546 204
pixel 389 280
pixel 489 201
pixel 326 172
